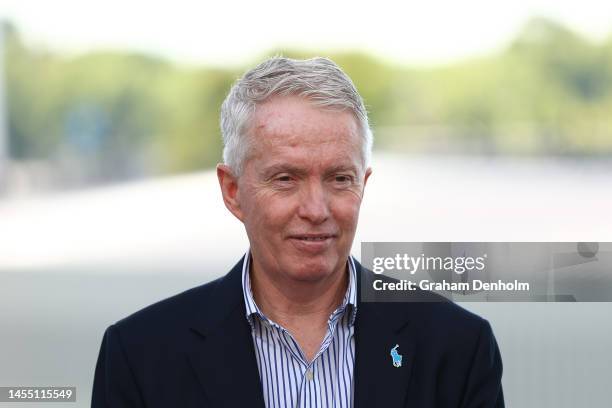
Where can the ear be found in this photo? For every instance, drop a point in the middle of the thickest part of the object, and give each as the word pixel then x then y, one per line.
pixel 368 172
pixel 229 189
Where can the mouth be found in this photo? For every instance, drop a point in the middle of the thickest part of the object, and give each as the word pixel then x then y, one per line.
pixel 312 237
pixel 312 244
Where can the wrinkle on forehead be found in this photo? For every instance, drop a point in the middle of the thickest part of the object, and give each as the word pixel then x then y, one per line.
pixel 300 132
pixel 289 117
pixel 323 147
pixel 294 128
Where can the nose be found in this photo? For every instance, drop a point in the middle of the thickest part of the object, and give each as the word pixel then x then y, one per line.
pixel 314 203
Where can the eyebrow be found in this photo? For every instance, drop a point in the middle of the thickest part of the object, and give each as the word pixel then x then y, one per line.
pixel 342 167
pixel 290 168
pixel 283 168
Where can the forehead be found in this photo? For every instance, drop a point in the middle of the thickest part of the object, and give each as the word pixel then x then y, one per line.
pixel 293 125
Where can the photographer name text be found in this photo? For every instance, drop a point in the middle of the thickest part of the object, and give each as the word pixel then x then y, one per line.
pixel 470 286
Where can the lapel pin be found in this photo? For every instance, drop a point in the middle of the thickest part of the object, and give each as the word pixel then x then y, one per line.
pixel 397 357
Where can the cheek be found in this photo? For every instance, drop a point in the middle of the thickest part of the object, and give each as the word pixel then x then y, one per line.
pixel 269 212
pixel 346 212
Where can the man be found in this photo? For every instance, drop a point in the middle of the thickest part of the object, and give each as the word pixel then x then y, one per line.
pixel 286 326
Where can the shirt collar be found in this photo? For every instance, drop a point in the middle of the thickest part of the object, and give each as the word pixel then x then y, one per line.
pixel 350 297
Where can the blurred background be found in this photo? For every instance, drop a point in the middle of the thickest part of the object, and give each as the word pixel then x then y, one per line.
pixel 492 122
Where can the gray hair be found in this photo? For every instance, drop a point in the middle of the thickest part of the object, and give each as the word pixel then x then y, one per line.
pixel 319 80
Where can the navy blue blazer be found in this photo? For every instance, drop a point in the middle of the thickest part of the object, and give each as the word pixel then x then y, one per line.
pixel 195 350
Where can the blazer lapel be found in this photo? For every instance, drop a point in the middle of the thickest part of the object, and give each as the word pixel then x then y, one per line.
pixel 223 355
pixel 378 383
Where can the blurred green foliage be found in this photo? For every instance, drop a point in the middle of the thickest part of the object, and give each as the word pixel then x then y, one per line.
pixel 549 92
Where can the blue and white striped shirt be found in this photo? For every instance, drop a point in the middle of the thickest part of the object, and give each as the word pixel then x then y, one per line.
pixel 287 379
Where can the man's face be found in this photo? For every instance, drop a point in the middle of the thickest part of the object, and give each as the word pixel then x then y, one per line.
pixel 301 189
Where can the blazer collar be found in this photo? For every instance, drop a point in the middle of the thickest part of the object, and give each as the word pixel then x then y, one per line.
pixel 224 356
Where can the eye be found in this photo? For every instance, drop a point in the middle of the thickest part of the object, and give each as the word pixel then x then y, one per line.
pixel 343 179
pixel 283 181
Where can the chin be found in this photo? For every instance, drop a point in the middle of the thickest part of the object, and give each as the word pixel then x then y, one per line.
pixel 312 270
pixel 309 276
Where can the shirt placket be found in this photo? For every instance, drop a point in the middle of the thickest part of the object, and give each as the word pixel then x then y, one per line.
pixel 309 382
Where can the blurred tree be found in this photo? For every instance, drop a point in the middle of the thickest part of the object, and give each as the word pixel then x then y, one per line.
pixel 125 115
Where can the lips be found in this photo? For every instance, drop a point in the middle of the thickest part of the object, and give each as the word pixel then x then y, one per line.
pixel 312 244
pixel 313 237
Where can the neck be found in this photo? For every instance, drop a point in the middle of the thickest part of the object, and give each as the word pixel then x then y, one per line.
pixel 290 302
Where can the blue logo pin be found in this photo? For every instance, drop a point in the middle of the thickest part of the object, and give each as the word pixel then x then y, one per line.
pixel 397 357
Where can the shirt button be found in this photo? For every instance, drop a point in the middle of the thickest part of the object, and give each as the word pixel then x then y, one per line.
pixel 309 375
